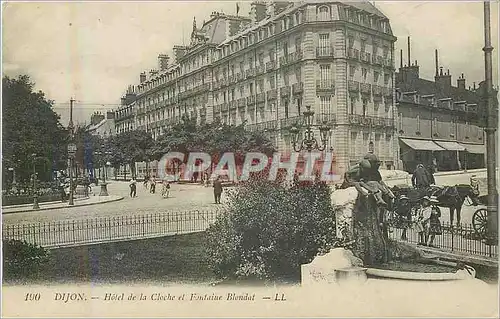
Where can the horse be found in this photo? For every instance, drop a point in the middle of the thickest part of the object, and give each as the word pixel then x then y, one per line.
pixel 453 197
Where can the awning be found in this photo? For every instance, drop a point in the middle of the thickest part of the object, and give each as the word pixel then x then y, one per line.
pixel 451 146
pixel 475 148
pixel 422 145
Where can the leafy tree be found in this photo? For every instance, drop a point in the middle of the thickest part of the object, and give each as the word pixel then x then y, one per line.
pixel 30 126
pixel 213 138
pixel 130 147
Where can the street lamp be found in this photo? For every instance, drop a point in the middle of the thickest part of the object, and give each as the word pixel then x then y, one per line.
pixel 309 142
pixel 35 191
pixel 104 187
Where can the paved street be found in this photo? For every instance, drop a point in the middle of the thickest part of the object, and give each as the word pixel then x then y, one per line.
pixel 182 198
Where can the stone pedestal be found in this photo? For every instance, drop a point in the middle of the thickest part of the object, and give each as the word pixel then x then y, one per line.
pixel 104 189
pixel 351 275
pixel 322 270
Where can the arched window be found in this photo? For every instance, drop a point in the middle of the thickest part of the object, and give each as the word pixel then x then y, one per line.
pixel 324 13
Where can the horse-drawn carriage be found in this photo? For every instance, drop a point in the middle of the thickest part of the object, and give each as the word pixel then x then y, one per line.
pixel 454 197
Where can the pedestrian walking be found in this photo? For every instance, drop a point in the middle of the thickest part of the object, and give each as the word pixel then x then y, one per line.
pixel 133 188
pixel 217 190
pixel 165 191
pixel 152 186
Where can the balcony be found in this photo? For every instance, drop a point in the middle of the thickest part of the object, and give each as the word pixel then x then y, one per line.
pixel 271 65
pixel 353 54
pixel 324 52
pixel 272 94
pixel 267 126
pixel 388 63
pixel 233 105
pixel 366 57
pixel 261 98
pixel 297 88
pixel 239 77
pixel 250 73
pixel 366 88
pixel 461 106
pixel 224 107
pixel 294 57
pixel 371 121
pixel 377 90
pixel 285 91
pixel 325 86
pixel 353 86
pixel 260 69
pixel 242 103
pixel 472 108
pixel 378 60
pixel 251 100
pixel 288 122
pixel 326 118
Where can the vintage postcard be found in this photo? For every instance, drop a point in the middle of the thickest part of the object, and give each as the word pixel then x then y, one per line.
pixel 258 158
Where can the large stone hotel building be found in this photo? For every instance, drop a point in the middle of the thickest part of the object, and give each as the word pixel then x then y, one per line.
pixel 334 56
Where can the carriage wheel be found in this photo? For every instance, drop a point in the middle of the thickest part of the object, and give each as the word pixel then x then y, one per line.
pixel 480 221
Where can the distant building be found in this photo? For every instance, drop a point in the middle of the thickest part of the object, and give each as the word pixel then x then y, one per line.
pixel 102 124
pixel 438 123
pixel 335 56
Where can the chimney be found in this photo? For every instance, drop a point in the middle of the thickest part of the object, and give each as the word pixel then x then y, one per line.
pixel 401 58
pixel 443 83
pixel 163 61
pixel 153 72
pixel 270 8
pixel 257 11
pixel 123 101
pixel 437 64
pixel 409 50
pixel 143 77
pixel 461 82
pixel 180 51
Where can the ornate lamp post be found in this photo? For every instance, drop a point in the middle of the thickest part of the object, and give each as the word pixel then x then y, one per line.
pixel 309 142
pixel 104 185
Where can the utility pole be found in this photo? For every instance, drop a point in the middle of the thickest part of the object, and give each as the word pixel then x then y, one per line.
pixel 491 127
pixel 71 151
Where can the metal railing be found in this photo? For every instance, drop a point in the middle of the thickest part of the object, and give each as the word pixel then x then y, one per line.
pixel 106 229
pixel 462 239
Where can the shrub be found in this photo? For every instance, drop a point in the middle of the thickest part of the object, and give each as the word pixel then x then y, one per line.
pixel 22 259
pixel 268 230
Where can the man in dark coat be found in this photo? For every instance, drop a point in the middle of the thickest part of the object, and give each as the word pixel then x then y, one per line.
pixel 421 178
pixel 217 190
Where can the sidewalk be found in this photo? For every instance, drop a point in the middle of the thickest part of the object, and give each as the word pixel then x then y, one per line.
pixel 94 200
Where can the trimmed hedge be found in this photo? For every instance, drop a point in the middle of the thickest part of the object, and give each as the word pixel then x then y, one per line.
pixel 8 200
pixel 268 230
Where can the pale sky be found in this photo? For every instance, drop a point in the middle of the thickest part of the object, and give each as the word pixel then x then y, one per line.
pixel 93 50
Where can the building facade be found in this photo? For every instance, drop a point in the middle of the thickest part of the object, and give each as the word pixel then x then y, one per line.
pixel 438 123
pixel 263 70
pixel 102 124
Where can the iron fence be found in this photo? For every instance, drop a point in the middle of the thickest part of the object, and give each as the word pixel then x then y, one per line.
pixel 462 238
pixel 107 229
